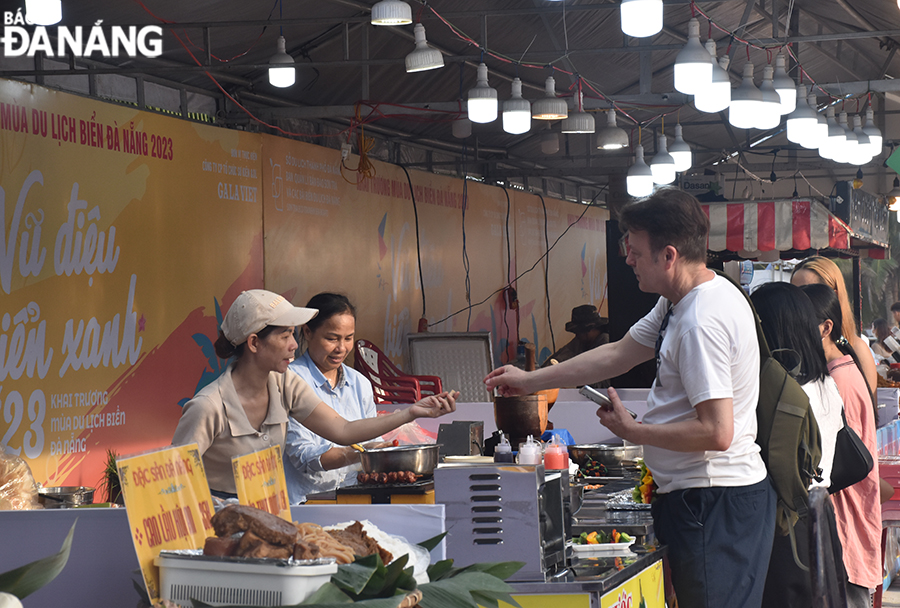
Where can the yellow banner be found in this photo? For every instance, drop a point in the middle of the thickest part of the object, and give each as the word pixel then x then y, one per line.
pixel 259 477
pixel 642 591
pixel 556 600
pixel 168 503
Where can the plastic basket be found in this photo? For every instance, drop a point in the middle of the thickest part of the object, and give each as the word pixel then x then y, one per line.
pixel 226 581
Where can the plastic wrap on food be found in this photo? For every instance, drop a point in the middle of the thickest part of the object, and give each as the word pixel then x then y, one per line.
pixel 18 490
pixel 623 501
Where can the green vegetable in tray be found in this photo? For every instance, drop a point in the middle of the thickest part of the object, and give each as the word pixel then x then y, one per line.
pixel 592 468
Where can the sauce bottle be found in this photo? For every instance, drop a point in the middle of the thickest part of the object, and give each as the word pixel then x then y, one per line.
pixel 530 451
pixel 503 451
pixel 556 456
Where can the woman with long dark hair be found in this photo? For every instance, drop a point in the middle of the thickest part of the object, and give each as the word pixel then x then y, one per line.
pixel 857 508
pixel 789 324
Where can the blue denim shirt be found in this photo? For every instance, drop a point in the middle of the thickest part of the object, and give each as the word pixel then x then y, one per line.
pixel 352 398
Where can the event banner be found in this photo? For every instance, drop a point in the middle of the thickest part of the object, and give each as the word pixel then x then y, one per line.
pixel 645 590
pixel 168 503
pixel 123 233
pixel 260 482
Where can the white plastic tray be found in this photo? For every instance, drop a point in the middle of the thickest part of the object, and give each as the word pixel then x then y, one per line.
pixel 603 549
pixel 223 581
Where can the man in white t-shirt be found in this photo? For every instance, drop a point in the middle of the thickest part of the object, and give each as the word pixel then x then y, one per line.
pixel 715 508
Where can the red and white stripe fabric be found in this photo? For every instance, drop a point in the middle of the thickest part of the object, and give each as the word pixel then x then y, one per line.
pixel 759 226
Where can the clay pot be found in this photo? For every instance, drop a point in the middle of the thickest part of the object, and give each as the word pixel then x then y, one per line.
pixel 519 417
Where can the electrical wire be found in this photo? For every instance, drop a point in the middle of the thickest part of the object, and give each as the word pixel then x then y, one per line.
pixel 510 291
pixel 465 253
pixel 412 195
pixel 547 275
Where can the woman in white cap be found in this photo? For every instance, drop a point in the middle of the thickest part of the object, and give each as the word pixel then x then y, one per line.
pixel 247 407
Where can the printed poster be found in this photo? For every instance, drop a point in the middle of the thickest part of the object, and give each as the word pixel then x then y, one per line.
pixel 259 477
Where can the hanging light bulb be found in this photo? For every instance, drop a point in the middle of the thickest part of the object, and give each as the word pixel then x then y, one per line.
pixel 516 111
pixel 579 121
pixel 693 70
pixel 282 72
pixel 770 113
pixel 847 152
pixel 784 86
pixel 482 106
pixel 391 12
pixel 818 135
pixel 662 165
pixel 549 141
pixel 830 148
pixel 894 197
pixel 874 133
pixel 717 95
pixel 461 128
pixel 639 180
pixel 43 12
pixel 858 180
pixel 549 107
pixel 746 100
pixel 681 151
pixel 423 57
pixel 611 137
pixel 641 18
pixel 862 142
pixel 802 122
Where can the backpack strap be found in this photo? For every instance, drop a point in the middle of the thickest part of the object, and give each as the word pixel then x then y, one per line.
pixel 764 350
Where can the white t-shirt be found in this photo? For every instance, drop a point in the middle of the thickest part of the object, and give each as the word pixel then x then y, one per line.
pixel 709 351
pixel 826 404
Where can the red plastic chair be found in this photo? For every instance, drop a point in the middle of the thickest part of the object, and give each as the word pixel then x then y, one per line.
pixel 388 378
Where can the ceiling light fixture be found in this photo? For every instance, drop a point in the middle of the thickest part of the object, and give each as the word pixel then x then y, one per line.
pixel 423 57
pixel 746 100
pixel 482 106
pixel 641 18
pixel 830 146
pixel 516 111
pixel 820 133
pixel 281 71
pixel 611 137
pixel 579 121
pixel 862 142
pixel 716 96
pixel 549 107
pixel 876 141
pixel 639 180
pixel 391 12
pixel 803 121
pixel 549 141
pixel 894 197
pixel 770 114
pixel 693 70
pixel 681 151
pixel 662 166
pixel 848 150
pixel 43 12
pixel 784 86
pixel 461 128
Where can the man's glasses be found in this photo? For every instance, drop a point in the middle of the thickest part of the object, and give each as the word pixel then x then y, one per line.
pixel 659 340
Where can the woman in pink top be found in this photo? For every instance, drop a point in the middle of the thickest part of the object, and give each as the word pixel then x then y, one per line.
pixel 857 508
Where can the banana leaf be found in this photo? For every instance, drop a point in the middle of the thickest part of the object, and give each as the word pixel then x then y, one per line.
pixel 27 579
pixel 460 591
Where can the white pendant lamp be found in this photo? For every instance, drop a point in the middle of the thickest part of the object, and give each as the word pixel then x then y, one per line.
pixel 639 180
pixel 549 107
pixel 803 121
pixel 461 128
pixel 862 143
pixel 611 137
pixel 820 133
pixel 681 151
pixel 717 95
pixel 784 86
pixel 641 18
pixel 847 152
pixel 770 114
pixel 830 147
pixel 874 133
pixel 894 197
pixel 423 57
pixel 693 70
pixel 482 105
pixel 43 12
pixel 746 100
pixel 662 166
pixel 549 142
pixel 391 12
pixel 579 121
pixel 516 111
pixel 281 71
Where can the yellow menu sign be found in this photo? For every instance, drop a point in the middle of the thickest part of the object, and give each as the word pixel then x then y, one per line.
pixel 259 477
pixel 168 503
pixel 642 591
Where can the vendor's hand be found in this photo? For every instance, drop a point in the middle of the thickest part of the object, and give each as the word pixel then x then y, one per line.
pixel 433 406
pixel 508 380
pixel 617 419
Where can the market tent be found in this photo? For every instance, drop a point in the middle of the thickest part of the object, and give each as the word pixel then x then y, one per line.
pixel 769 230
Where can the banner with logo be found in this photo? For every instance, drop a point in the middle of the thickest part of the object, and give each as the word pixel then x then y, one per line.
pixel 646 590
pixel 168 503
pixel 260 482
pixel 123 233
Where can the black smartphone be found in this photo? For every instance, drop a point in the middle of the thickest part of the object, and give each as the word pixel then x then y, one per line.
pixel 601 399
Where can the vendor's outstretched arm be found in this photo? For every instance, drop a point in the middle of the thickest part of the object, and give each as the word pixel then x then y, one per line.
pixel 601 363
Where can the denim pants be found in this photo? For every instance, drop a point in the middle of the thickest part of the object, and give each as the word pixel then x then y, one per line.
pixel 719 542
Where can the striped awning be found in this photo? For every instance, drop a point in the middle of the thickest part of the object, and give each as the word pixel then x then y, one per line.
pixel 751 228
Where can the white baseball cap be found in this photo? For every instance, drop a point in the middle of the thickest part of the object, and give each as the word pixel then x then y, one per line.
pixel 255 309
